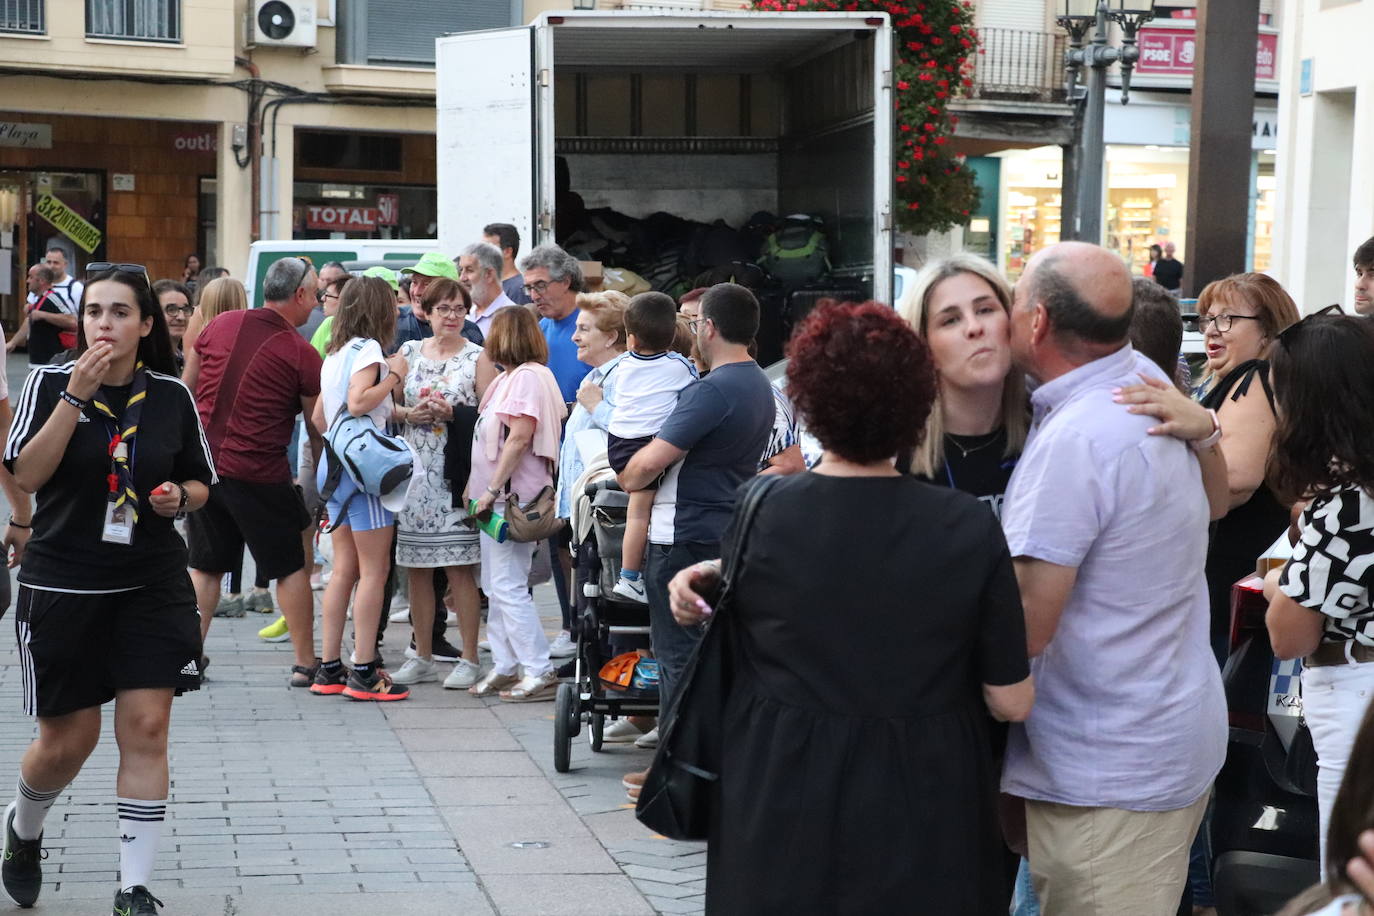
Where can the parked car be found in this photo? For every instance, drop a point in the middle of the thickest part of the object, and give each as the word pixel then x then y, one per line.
pixel 1264 819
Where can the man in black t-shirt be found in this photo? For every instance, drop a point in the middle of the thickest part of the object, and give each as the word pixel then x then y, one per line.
pixel 1169 270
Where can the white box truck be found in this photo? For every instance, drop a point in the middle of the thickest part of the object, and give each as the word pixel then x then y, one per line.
pixel 703 115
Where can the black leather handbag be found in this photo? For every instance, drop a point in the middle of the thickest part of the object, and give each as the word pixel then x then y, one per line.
pixel 679 791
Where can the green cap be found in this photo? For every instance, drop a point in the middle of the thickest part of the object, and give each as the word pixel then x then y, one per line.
pixel 433 264
pixel 387 274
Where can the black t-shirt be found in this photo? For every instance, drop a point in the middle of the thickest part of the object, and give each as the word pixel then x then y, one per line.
pixel 977 465
pixel 66 551
pixel 44 340
pixel 1169 273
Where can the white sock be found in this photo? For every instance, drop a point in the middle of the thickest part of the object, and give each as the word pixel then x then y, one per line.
pixel 140 827
pixel 30 807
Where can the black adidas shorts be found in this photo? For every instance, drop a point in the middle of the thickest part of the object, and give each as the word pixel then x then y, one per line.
pixel 78 650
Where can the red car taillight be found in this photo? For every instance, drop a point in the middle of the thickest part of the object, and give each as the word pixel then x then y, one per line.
pixel 1247 609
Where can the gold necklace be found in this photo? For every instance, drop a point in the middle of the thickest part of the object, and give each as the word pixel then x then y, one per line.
pixel 965 451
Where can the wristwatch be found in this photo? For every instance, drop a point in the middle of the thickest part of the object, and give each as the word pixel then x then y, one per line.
pixel 1201 445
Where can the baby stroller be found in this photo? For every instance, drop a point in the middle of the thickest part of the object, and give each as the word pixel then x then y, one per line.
pixel 598 526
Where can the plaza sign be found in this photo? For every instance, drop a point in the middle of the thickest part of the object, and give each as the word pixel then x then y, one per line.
pixel 25 136
pixel 342 219
pixel 69 222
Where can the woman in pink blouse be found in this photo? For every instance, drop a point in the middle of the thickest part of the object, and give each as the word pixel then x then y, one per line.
pixel 514 452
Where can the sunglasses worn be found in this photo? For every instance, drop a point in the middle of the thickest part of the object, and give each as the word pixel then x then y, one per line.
pixel 1286 335
pixel 98 267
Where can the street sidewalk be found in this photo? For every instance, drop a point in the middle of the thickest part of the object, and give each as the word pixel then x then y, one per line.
pixel 437 804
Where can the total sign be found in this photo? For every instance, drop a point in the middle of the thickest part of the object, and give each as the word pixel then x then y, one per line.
pixel 342 219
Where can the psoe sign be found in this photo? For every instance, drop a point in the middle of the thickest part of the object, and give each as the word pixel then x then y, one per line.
pixel 25 136
pixel 342 219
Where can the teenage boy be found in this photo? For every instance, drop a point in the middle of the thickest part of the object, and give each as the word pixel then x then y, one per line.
pixel 1364 278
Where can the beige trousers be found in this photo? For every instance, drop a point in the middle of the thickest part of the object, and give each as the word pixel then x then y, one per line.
pixel 1109 862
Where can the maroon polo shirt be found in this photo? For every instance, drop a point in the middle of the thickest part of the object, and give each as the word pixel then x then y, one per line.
pixel 280 368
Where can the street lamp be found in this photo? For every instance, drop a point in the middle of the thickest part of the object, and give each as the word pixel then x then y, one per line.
pixel 1077 17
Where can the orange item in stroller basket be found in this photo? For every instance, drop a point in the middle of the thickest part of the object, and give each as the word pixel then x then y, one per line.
pixel 630 671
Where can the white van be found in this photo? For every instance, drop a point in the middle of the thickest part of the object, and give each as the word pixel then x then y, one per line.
pixel 400 252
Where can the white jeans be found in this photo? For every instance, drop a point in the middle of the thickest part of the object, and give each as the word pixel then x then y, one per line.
pixel 1334 698
pixel 513 627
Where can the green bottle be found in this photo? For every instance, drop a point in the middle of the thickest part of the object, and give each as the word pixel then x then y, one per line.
pixel 494 525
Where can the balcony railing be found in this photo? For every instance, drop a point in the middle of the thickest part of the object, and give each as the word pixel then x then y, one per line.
pixel 134 20
pixel 23 16
pixel 1016 65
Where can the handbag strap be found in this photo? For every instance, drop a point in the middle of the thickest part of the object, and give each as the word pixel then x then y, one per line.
pixel 749 508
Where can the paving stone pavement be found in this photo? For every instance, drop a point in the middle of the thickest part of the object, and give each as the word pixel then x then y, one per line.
pixel 282 801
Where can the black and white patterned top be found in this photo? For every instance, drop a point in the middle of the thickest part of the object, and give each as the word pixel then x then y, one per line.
pixel 1332 569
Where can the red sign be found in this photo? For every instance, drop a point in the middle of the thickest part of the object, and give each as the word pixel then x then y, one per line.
pixel 195 141
pixel 1173 52
pixel 389 205
pixel 342 219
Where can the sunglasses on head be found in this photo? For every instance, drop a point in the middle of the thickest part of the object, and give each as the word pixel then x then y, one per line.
pixel 1287 333
pixel 97 267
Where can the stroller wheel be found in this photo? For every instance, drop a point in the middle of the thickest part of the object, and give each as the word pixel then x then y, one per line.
pixel 565 720
pixel 596 732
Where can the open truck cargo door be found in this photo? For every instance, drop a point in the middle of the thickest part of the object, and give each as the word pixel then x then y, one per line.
pixel 487 128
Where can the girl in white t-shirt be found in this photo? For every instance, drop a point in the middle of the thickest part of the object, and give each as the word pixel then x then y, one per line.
pixel 362 538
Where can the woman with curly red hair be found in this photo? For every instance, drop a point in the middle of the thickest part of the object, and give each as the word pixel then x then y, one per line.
pixel 856 773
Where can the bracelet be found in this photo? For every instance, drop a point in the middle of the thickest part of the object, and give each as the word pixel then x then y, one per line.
pixel 73 400
pixel 395 373
pixel 494 492
pixel 185 498
pixel 1201 445
pixel 14 524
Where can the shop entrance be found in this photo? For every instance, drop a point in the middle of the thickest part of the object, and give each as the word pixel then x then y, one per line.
pixel 40 209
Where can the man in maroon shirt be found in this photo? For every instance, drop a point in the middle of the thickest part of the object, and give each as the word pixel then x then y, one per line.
pixel 252 374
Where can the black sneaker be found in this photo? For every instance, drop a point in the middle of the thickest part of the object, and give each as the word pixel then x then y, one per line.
pixel 136 901
pixel 380 688
pixel 21 866
pixel 329 683
pixel 444 651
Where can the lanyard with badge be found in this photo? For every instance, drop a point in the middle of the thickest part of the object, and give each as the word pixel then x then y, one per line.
pixel 121 505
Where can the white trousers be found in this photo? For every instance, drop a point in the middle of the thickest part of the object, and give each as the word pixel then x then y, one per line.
pixel 513 627
pixel 1334 699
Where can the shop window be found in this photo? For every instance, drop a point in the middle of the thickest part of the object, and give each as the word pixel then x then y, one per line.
pixel 134 20
pixel 25 16
pixel 348 152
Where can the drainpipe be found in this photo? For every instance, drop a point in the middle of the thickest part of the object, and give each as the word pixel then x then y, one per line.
pixel 254 143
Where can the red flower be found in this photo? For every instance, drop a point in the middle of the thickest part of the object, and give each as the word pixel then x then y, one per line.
pixel 937 41
pixel 925 77
pixel 903 85
pixel 955 29
pixel 941 141
pixel 913 206
pixel 904 128
pixel 901 179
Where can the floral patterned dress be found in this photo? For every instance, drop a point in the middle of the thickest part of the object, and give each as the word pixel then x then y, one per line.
pixel 430 530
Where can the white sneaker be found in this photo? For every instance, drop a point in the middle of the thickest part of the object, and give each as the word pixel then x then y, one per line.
pixel 648 739
pixel 451 619
pixel 400 603
pixel 563 646
pixel 484 645
pixel 463 675
pixel 416 671
pixel 621 731
pixel 631 589
pixel 399 615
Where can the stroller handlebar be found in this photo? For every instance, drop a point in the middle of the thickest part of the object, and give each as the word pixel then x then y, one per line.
pixel 599 485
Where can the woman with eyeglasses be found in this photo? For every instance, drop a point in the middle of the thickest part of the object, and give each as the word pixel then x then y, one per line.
pixel 1241 316
pixel 175 300
pixel 112 445
pixel 1320 606
pixel 446 377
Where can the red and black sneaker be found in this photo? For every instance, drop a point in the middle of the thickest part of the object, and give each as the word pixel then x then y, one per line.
pixel 379 687
pixel 328 684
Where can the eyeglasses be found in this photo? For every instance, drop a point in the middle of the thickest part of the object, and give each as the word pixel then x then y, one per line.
pixel 693 324
pixel 329 296
pixel 1287 333
pixel 443 311
pixel 1223 321
pixel 171 310
pixel 99 267
pixel 538 287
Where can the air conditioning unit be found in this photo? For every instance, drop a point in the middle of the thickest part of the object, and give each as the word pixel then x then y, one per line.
pixel 283 23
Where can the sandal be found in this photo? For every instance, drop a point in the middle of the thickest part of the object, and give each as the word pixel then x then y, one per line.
pixel 492 684
pixel 303 675
pixel 532 689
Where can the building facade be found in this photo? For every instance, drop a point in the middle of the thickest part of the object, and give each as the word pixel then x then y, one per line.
pixel 1326 116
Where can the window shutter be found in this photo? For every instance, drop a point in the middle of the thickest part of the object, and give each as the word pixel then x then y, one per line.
pixel 403 31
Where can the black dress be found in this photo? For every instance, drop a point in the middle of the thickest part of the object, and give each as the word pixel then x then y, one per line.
pixel 1247 530
pixel 857 775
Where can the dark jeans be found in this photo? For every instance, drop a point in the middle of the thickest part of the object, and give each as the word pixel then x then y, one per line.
pixel 672 644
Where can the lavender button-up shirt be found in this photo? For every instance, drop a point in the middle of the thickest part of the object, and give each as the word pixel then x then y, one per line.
pixel 1129 710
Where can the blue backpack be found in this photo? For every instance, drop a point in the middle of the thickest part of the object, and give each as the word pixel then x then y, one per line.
pixel 379 464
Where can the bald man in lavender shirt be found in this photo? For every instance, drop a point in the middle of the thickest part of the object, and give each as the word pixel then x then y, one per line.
pixel 1108 529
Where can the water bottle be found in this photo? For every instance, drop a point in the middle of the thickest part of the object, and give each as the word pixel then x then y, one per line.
pixel 494 525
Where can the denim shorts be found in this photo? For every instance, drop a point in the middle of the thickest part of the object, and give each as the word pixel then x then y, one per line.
pixel 351 506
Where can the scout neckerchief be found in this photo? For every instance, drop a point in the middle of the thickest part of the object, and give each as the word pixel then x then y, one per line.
pixel 121 479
